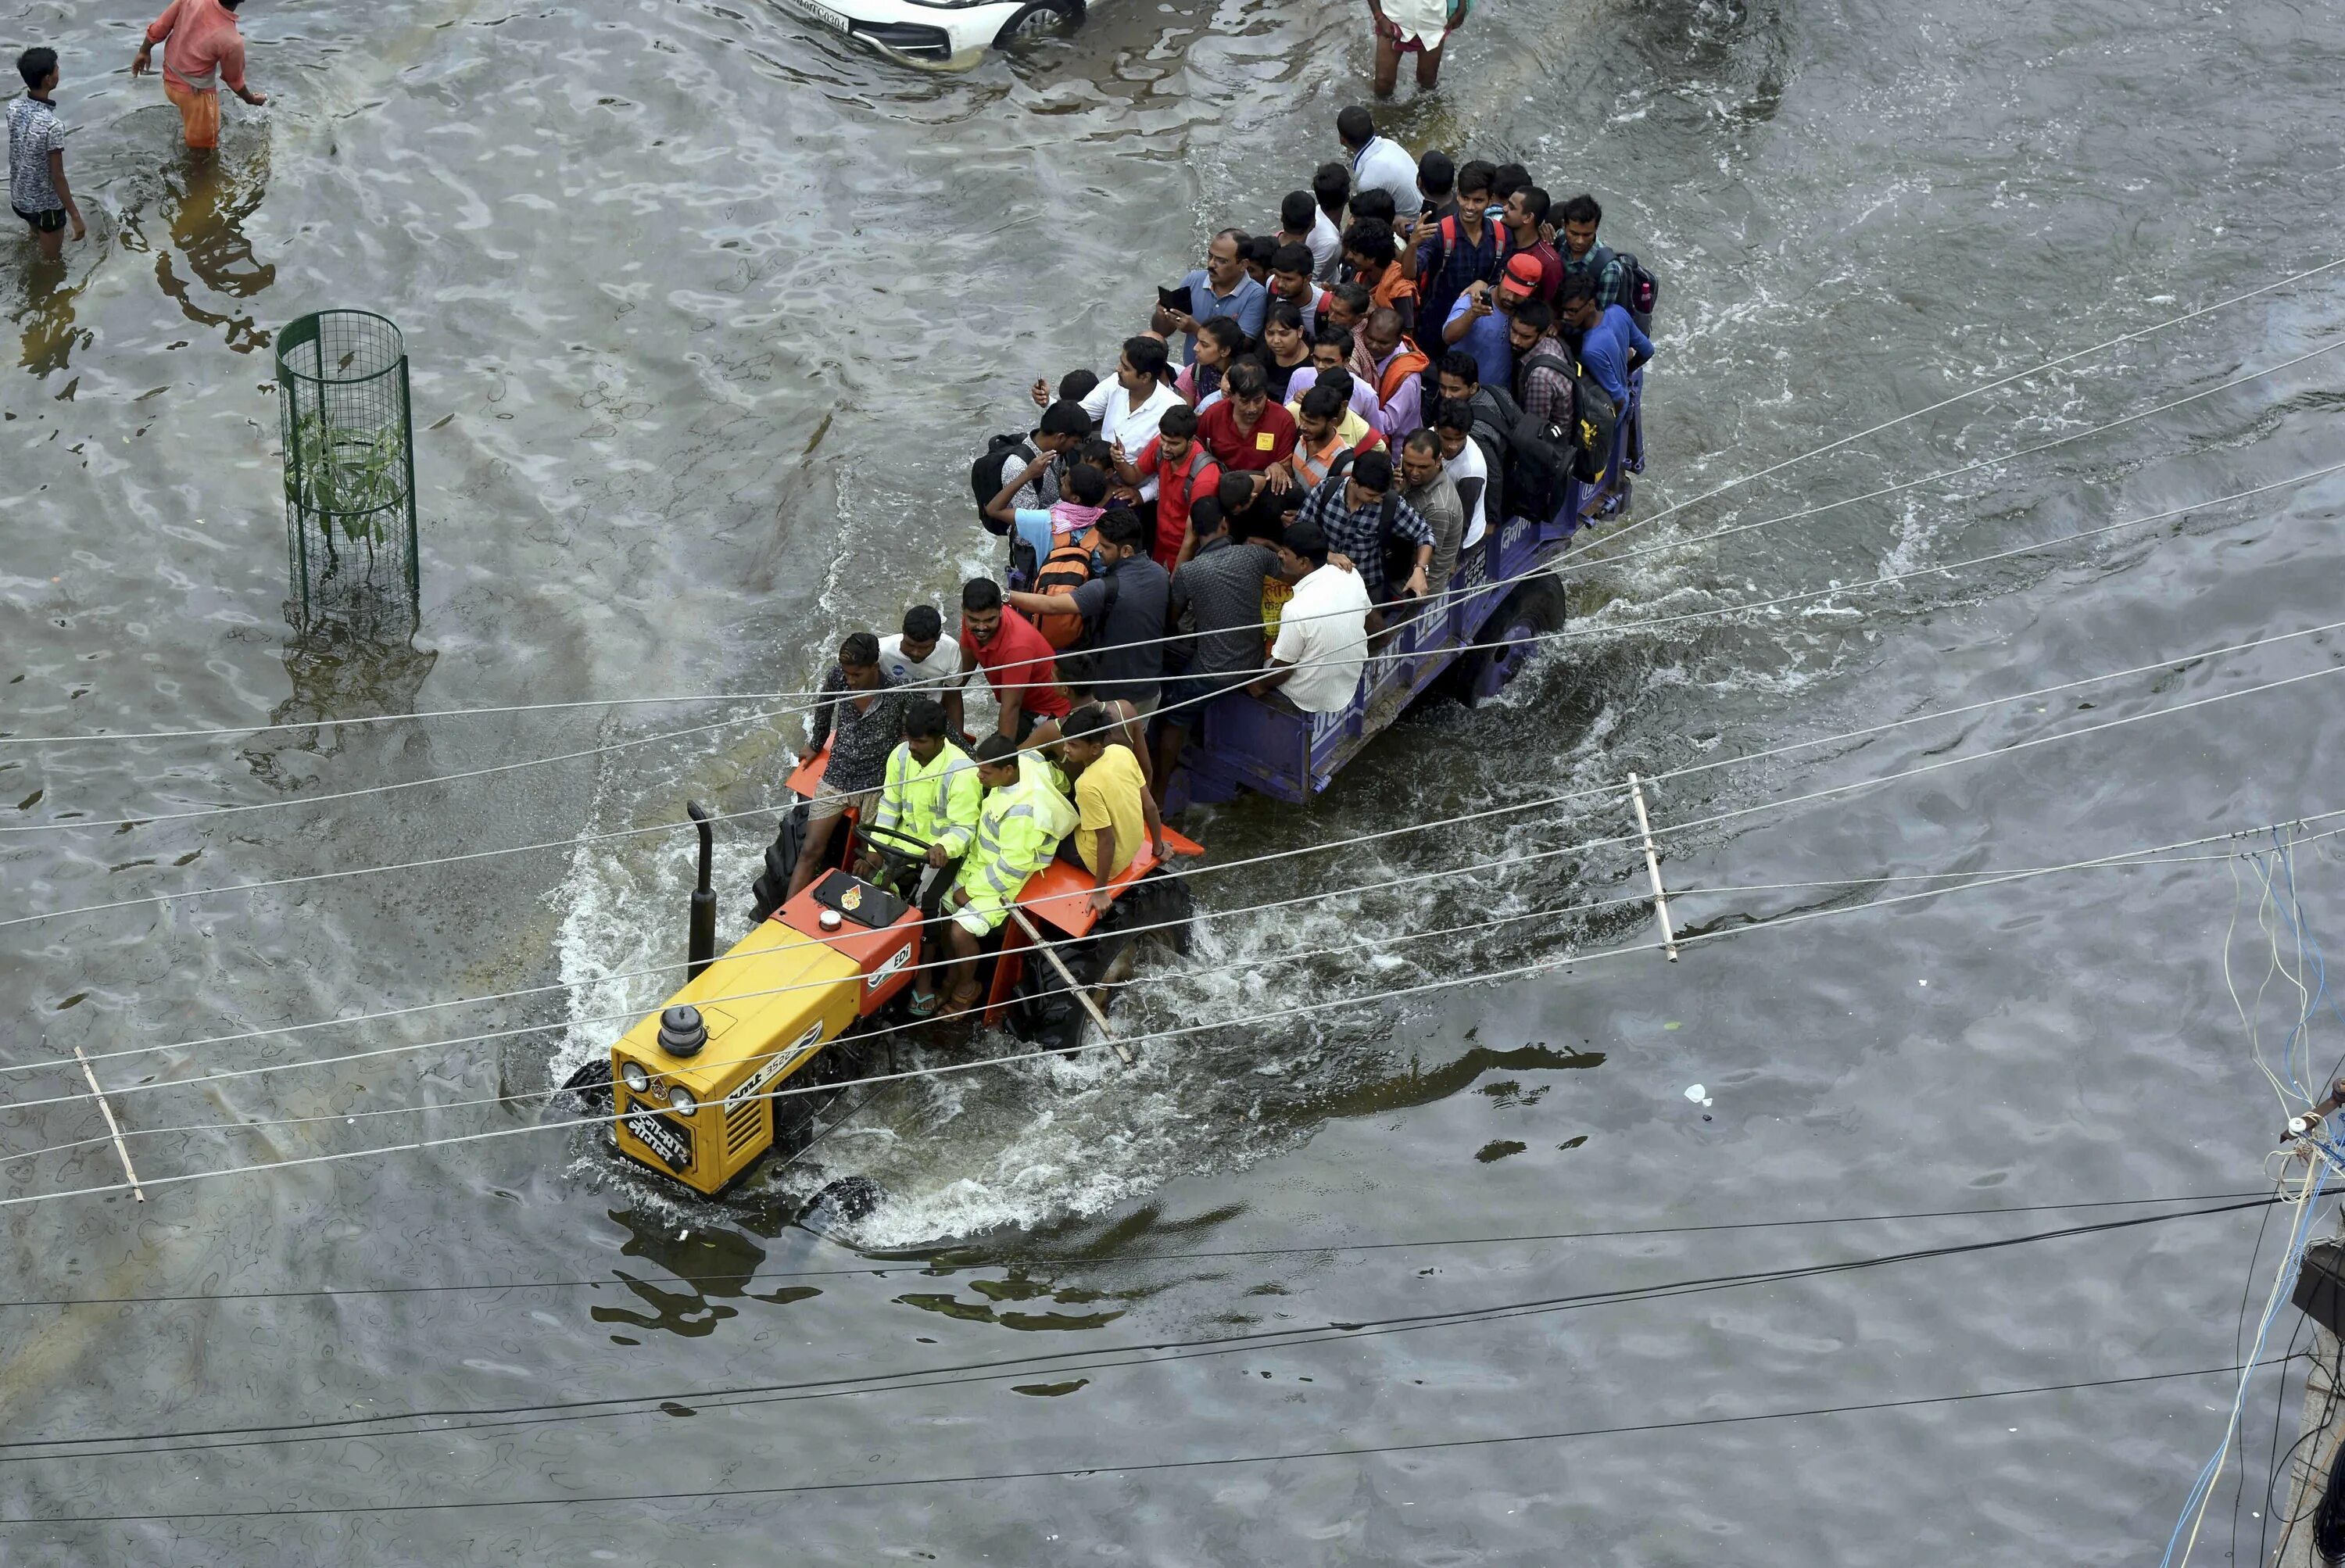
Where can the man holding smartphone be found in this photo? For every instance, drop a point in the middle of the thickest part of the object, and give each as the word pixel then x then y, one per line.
pixel 1222 286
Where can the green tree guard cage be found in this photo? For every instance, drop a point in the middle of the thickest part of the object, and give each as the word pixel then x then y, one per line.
pixel 350 469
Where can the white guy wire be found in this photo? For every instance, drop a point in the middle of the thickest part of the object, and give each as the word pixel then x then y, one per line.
pixel 1827 792
pixel 1739 759
pixel 1302 1010
pixel 1606 630
pixel 1666 511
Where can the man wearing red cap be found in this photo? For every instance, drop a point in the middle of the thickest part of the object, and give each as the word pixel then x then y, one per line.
pixel 1479 322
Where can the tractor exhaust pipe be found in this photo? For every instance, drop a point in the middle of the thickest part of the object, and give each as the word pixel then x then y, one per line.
pixel 700 948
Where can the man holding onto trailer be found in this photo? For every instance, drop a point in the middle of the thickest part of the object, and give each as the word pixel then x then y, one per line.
pixel 1018 827
pixel 859 712
pixel 1115 814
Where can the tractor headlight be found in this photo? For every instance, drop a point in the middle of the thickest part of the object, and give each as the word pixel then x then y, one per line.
pixel 638 1082
pixel 680 1100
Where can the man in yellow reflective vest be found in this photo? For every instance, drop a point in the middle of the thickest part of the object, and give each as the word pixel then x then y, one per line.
pixel 928 796
pixel 1018 830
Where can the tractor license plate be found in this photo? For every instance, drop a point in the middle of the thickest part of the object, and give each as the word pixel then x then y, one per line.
pixel 668 1138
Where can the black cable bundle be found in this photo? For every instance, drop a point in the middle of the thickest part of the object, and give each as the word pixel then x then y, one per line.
pixel 2329 1519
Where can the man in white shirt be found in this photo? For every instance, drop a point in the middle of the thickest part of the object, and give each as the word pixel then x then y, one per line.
pixel 1322 632
pixel 1379 163
pixel 1301 222
pixel 922 659
pixel 1468 470
pixel 1129 405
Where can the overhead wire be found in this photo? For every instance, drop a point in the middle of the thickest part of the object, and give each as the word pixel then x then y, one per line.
pixel 1980 391
pixel 952 1259
pixel 1538 802
pixel 1155 1353
pixel 1605 630
pixel 1131 982
pixel 2194 1508
pixel 1670 511
pixel 1714 818
pixel 955 1068
pixel 1101 1468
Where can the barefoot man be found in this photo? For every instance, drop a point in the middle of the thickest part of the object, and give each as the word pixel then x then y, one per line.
pixel 203 50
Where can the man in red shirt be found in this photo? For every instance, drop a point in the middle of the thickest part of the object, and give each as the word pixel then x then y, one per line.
pixel 1247 433
pixel 1018 661
pixel 1184 470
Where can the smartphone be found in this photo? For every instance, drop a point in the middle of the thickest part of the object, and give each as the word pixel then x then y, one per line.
pixel 1173 299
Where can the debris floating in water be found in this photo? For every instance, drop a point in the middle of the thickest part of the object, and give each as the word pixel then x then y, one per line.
pixel 1699 1094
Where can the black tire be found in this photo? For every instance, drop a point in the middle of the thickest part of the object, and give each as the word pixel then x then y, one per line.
pixel 1533 609
pixel 1040 19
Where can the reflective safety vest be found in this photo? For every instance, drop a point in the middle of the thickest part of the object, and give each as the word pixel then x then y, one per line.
pixel 1018 830
pixel 936 803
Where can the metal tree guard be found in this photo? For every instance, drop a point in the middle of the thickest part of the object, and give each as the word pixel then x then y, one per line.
pixel 349 466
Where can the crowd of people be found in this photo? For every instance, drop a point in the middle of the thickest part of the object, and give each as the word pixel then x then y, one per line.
pixel 1314 427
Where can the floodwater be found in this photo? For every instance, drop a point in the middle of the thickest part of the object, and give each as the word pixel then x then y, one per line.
pixel 707 311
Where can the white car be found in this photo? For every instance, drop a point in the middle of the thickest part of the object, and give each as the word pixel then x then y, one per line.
pixel 948 33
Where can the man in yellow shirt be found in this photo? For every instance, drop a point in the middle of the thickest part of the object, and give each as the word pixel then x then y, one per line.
pixel 1115 813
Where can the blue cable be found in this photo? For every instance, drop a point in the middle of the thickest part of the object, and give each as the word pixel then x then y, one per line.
pixel 2299 1239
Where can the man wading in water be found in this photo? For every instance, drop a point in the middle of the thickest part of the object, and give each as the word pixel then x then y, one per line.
pixel 205 50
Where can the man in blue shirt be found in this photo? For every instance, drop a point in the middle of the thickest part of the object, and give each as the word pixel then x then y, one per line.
pixel 1611 347
pixel 1480 321
pixel 1222 286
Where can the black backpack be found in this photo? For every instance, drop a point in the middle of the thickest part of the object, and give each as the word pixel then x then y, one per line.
pixel 1544 449
pixel 1639 289
pixel 985 474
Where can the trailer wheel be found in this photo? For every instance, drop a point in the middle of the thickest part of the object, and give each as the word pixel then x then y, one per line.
pixel 1532 610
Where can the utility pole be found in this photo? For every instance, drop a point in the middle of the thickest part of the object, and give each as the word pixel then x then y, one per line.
pixel 2320 1295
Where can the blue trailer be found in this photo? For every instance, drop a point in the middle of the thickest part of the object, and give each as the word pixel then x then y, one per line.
pixel 1503 594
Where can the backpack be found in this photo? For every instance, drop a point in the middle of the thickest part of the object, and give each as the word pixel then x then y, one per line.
pixel 1639 289
pixel 1587 445
pixel 1069 568
pixel 985 474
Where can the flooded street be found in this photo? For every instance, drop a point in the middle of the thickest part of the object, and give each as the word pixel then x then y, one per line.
pixel 708 310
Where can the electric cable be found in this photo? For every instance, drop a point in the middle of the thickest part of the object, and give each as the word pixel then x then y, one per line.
pixel 1828 792
pixel 507 708
pixel 147 1445
pixel 1304 1010
pixel 1602 629
pixel 2194 1508
pixel 955 1258
pixel 997 1477
pixel 1606 630
pixel 1599 553
pixel 1739 759
pixel 1982 389
pixel 1150 979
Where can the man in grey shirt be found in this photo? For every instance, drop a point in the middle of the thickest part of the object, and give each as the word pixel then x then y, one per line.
pixel 1217 598
pixel 1426 484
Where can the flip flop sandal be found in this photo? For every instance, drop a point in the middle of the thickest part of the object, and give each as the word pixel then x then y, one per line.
pixel 924 1006
pixel 966 1001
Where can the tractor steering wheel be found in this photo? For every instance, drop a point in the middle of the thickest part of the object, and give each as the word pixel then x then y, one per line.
pixel 895 862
